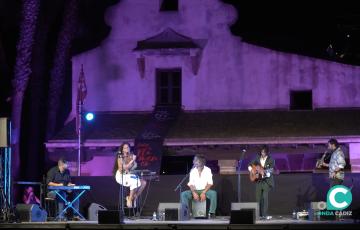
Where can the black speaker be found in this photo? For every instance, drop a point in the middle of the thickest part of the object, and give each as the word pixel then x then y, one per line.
pixel 171 214
pixel 93 211
pixel 110 217
pixel 174 211
pixel 4 132
pixel 31 213
pixel 243 216
pixel 247 205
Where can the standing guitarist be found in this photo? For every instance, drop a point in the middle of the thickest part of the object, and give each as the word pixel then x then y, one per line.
pixel 261 171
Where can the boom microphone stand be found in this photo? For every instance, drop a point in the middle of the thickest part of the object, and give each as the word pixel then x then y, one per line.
pixel 239 176
pixel 121 191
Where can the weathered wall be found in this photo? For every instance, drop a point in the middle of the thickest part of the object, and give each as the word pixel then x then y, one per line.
pixel 233 75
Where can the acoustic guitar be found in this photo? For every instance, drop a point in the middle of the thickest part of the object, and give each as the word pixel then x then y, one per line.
pixel 257 173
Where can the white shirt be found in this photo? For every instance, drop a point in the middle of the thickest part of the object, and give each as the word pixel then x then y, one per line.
pixel 200 181
pixel 262 161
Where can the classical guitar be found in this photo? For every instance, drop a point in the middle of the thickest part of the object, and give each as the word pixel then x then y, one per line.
pixel 257 173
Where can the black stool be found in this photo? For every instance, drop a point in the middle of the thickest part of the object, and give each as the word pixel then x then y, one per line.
pixel 51 207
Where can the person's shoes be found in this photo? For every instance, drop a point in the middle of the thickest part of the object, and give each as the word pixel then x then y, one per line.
pixel 212 216
pixel 76 218
pixel 61 219
pixel 262 217
pixel 128 202
pixel 268 217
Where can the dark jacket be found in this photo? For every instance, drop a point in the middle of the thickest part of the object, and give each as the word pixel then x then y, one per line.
pixel 269 165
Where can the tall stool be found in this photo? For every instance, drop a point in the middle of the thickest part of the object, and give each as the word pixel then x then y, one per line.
pixel 51 207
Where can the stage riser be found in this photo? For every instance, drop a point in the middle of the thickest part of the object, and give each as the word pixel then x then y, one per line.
pixel 291 191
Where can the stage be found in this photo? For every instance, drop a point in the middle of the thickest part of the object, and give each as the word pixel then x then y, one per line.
pixel 278 222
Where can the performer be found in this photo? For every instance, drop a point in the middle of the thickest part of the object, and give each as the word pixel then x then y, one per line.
pixel 29 196
pixel 200 182
pixel 125 162
pixel 337 163
pixel 60 176
pixel 265 182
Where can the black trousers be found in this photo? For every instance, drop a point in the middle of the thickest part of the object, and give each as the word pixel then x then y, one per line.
pixel 335 181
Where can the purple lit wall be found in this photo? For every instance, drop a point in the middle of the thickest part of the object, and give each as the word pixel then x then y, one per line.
pixel 232 76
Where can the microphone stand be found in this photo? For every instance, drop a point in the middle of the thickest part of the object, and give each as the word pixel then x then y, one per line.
pixel 179 187
pixel 239 176
pixel 121 195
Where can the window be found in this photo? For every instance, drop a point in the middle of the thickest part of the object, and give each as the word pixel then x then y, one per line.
pixel 301 100
pixel 169 5
pixel 168 86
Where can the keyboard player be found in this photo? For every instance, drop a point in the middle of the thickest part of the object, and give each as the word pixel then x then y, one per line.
pixel 60 176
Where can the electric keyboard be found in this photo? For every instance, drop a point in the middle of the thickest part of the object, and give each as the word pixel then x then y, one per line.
pixel 76 187
pixel 143 172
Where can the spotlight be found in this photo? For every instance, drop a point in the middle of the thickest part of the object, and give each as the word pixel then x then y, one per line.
pixel 89 116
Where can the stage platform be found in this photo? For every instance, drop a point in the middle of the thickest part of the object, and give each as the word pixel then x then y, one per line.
pixel 218 223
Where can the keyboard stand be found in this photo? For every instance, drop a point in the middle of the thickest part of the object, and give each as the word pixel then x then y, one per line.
pixel 70 204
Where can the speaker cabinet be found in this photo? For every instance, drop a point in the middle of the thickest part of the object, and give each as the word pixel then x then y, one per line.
pixel 110 217
pixel 4 132
pixel 174 211
pixel 31 213
pixel 93 211
pixel 243 216
pixel 247 205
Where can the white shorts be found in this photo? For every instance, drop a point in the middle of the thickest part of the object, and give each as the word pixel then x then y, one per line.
pixel 130 180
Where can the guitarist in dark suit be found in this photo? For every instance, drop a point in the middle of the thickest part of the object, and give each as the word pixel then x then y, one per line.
pixel 261 168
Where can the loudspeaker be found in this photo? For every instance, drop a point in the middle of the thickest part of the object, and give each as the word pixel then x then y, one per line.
pixel 247 205
pixel 93 211
pixel 4 132
pixel 31 213
pixel 110 217
pixel 243 216
pixel 174 211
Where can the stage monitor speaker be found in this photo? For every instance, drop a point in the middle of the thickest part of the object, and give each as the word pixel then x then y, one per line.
pixel 174 211
pixel 31 213
pixel 93 211
pixel 247 205
pixel 243 216
pixel 4 132
pixel 110 217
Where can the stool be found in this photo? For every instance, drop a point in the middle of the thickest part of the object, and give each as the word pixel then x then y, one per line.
pixel 199 209
pixel 134 210
pixel 51 207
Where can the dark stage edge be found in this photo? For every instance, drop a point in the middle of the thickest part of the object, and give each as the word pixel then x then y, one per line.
pixel 218 223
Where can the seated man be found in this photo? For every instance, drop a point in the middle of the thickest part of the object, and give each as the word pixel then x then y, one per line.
pixel 60 176
pixel 200 182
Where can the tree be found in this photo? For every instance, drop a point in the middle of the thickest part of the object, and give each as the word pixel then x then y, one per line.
pixel 22 71
pixel 62 57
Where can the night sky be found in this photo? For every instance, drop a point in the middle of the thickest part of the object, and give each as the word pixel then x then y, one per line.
pixel 290 26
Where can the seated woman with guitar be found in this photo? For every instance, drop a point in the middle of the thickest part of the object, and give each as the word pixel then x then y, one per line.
pixel 125 162
pixel 261 172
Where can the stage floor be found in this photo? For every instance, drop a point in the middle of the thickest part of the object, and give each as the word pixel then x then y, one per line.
pixel 218 223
